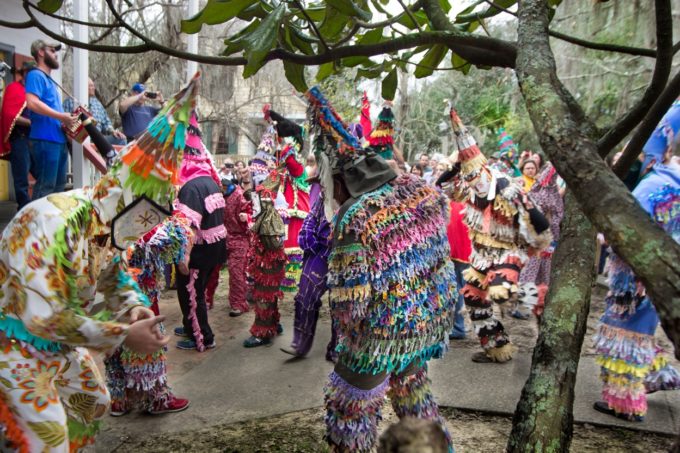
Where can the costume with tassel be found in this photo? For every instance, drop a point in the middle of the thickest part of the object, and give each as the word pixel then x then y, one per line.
pixel 391 282
pixel 501 229
pixel 295 190
pixel 64 289
pixel 238 244
pixel 536 272
pixel 381 138
pixel 632 364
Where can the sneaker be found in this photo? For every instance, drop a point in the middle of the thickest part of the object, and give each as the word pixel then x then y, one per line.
pixel 292 351
pixel 191 344
pixel 118 409
pixel 279 328
pixel 457 336
pixel 519 315
pixel 179 331
pixel 254 342
pixel 235 313
pixel 173 404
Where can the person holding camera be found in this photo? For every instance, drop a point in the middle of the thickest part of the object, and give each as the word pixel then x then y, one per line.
pixel 134 112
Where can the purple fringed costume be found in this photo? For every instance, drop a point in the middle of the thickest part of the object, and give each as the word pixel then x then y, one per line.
pixel 315 241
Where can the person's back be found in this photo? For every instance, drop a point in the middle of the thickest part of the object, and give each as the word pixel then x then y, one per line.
pixel 136 118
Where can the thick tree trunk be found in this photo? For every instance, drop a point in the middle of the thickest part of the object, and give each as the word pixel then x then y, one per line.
pixel 652 254
pixel 543 418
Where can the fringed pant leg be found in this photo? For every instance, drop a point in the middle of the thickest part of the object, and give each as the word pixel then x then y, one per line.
pixel 489 329
pixel 353 409
pixel 308 302
pixel 411 395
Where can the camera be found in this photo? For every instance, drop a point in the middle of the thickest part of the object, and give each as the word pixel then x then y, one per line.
pixel 151 94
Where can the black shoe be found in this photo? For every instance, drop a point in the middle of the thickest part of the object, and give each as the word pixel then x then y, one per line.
pixel 279 329
pixel 235 313
pixel 603 407
pixel 292 352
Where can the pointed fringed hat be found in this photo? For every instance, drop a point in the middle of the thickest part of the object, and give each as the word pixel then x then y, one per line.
pixel 381 138
pixel 339 152
pixel 197 161
pixel 150 165
pixel 506 146
pixel 470 157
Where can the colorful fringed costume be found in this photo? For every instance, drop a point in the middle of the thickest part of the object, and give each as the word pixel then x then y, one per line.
pixel 238 245
pixel 381 138
pixel 630 360
pixel 315 240
pixel 536 272
pixel 63 289
pixel 391 284
pixel 502 226
pixel 295 190
pixel 200 200
pixel 139 381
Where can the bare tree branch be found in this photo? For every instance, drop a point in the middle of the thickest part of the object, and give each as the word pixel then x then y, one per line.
pixel 662 69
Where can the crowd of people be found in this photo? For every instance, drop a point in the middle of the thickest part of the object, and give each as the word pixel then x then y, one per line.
pixel 406 253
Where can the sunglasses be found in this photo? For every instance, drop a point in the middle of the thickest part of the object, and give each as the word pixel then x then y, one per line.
pixel 228 165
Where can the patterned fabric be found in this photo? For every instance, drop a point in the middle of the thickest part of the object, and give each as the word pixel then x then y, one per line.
pixel 49 400
pixel 390 276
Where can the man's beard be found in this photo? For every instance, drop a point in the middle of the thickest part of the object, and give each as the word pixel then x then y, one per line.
pixel 51 61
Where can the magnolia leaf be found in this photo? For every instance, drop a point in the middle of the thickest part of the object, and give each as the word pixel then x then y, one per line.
pixel 317 14
pixel 253 11
pixel 389 85
pixel 49 6
pixel 52 433
pixel 378 5
pixel 350 8
pixel 295 74
pixel 261 40
pixel 298 40
pixel 431 60
pixel 371 37
pixel 369 73
pixel 351 62
pixel 325 70
pixel 445 5
pixel 215 12
pixel 460 64
pixel 406 20
pixel 333 23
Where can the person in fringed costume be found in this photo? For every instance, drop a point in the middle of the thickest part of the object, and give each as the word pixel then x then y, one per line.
pixel 391 284
pixel 315 241
pixel 237 217
pixel 631 362
pixel 64 289
pixel 267 262
pixel 140 381
pixel 201 201
pixel 381 138
pixel 536 272
pixel 503 225
pixel 508 157
pixel 290 137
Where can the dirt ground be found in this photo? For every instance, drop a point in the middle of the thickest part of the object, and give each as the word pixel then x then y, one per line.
pixel 473 432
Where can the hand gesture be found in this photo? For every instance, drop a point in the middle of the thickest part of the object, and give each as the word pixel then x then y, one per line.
pixel 144 337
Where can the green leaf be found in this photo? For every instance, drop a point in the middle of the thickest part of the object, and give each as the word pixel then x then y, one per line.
pixel 316 14
pixel 389 85
pixel 369 73
pixel 371 37
pixel 407 22
pixel 6 382
pixel 260 41
pixel 215 12
pixel 431 60
pixel 351 62
pixel 52 433
pixel 325 70
pixel 350 8
pixel 50 6
pixel 253 11
pixel 333 23
pixel 379 7
pixel 445 5
pixel 299 41
pixel 460 64
pixel 295 74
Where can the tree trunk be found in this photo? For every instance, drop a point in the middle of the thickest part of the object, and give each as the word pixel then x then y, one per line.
pixel 543 418
pixel 611 208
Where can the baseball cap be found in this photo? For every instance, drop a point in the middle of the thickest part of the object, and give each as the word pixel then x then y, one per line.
pixel 138 87
pixel 663 135
pixel 39 44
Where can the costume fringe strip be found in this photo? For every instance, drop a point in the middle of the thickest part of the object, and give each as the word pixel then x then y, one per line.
pixel 193 305
pixel 625 359
pixel 412 396
pixel 392 286
pixel 663 375
pixel 10 431
pixel 293 270
pixel 352 414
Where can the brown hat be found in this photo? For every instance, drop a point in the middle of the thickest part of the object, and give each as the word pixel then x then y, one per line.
pixel 40 44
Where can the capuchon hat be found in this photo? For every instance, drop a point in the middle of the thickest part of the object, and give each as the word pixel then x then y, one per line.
pixel 285 127
pixel 470 157
pixel 40 44
pixel 663 135
pixel 382 136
